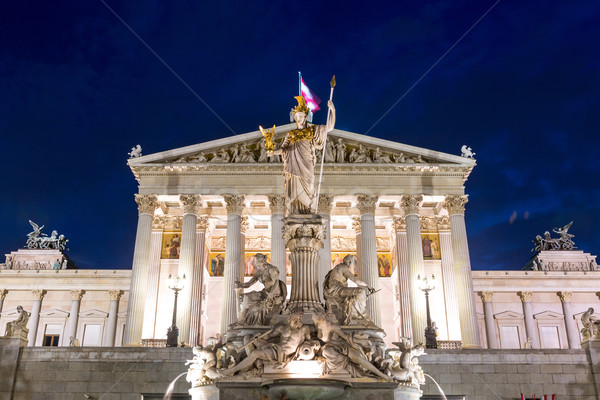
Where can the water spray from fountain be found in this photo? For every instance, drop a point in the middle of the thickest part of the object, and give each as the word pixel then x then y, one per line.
pixel 438 386
pixel 171 386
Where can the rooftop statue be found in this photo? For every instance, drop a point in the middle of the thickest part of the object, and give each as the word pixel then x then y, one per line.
pixel 467 152
pixel 258 307
pixel 135 152
pixel 298 153
pixel 38 240
pixel 564 242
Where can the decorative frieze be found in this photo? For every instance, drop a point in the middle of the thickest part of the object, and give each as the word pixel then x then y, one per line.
pixel 244 224
pixel 170 223
pixel 202 224
pixel 356 225
pixel 325 204
pixel 340 243
pixel 443 223
pixel 366 203
pixel 455 204
pixel 191 203
pixel 399 224
pixel 428 224
pixel 411 203
pixel 276 203
pixel 147 203
pixel 217 243
pixel 261 243
pixel 234 203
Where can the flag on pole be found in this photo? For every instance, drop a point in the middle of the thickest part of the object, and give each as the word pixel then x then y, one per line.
pixel 312 100
pixel 522 396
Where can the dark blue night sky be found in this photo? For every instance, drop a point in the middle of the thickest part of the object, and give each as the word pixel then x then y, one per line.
pixel 78 89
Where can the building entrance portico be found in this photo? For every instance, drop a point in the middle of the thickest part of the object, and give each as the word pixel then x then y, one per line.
pixel 216 204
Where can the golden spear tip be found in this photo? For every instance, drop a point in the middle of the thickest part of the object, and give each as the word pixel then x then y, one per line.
pixel 332 83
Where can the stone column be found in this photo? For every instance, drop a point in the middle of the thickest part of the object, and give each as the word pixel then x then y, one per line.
pixel 3 294
pixel 455 205
pixel 304 237
pixel 235 206
pixel 530 330
pixel 197 284
pixel 277 205
pixel 111 324
pixel 149 325
pixel 187 258
pixel 572 333
pixel 244 225
pixel 411 204
pixel 370 269
pixel 490 326
pixel 139 270
pixel 401 249
pixel 452 314
pixel 71 331
pixel 38 296
pixel 325 205
pixel 358 232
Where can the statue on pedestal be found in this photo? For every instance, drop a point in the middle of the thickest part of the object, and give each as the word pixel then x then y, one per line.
pixel 347 303
pixel 14 328
pixel 591 326
pixel 258 307
pixel 298 153
pixel 404 365
pixel 203 365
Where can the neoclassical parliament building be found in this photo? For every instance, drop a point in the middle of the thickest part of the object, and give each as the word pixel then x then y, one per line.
pixel 205 210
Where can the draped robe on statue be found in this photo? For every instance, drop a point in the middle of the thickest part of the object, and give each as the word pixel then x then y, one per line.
pixel 299 158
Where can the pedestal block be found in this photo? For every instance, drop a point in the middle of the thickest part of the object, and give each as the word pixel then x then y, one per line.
pixel 304 236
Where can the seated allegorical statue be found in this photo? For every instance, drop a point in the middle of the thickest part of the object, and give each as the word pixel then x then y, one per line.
pixel 340 351
pixel 347 303
pixel 18 324
pixel 591 326
pixel 277 346
pixel 257 307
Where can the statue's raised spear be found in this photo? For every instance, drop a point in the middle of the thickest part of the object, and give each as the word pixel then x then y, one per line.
pixel 332 83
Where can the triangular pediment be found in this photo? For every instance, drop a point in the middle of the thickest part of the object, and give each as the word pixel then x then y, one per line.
pixel 54 313
pixel 93 313
pixel 508 315
pixel 548 315
pixel 345 148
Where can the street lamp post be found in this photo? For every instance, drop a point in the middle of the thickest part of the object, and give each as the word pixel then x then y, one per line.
pixel 173 332
pixel 427 285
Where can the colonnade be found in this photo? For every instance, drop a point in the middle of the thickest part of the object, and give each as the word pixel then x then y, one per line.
pixel 408 247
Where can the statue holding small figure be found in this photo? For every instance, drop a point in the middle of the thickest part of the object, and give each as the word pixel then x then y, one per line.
pixel 347 303
pixel 258 307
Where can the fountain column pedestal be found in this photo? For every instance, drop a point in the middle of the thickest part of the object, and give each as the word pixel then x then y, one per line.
pixel 304 236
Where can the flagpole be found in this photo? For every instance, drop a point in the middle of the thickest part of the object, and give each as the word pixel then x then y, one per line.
pixel 332 84
pixel 299 83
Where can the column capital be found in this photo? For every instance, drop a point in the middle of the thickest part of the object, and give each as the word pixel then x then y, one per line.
pixel 564 296
pixel 443 223
pixel 525 296
pixel 234 203
pixel 244 224
pixel 115 294
pixel 325 204
pixel 3 294
pixel 190 202
pixel 411 203
pixel 399 224
pixel 38 294
pixel 202 223
pixel 486 297
pixel 366 203
pixel 357 227
pixel 276 203
pixel 455 204
pixel 77 294
pixel 147 203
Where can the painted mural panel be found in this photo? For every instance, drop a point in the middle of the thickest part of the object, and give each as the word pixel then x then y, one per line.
pixel 216 265
pixel 171 244
pixel 431 246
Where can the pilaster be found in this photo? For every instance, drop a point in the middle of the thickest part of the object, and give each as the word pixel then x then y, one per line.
pixel 38 296
pixel 325 206
pixel 403 273
pixel 278 256
pixel 490 326
pixel 530 330
pixel 572 333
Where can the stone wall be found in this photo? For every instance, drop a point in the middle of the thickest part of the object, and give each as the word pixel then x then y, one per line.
pixel 505 374
pixel 125 373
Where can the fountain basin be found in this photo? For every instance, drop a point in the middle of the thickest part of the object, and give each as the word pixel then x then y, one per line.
pixel 305 389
